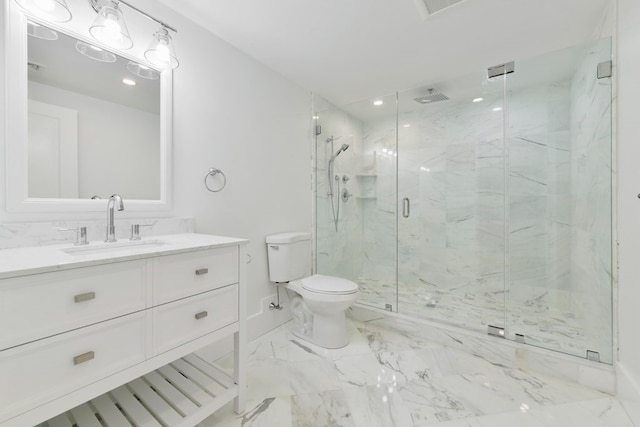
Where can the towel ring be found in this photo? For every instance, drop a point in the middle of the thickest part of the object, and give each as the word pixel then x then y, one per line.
pixel 214 172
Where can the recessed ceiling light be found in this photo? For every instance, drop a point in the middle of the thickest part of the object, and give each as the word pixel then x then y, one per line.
pixel 497 109
pixel 129 82
pixel 477 99
pixel 378 102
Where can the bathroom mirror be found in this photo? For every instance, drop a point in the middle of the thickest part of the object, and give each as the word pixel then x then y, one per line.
pixel 81 128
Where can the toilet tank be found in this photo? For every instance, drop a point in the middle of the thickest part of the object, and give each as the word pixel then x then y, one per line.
pixel 289 256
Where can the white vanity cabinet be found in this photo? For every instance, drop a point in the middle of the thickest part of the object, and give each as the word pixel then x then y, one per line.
pixel 111 336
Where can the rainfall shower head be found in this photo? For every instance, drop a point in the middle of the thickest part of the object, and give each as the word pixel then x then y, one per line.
pixel 432 96
pixel 343 148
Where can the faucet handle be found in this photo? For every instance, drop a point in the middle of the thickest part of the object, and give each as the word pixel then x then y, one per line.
pixel 81 235
pixel 135 230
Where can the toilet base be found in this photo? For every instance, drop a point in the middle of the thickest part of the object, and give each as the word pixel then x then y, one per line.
pixel 330 331
pixel 327 332
pixel 320 318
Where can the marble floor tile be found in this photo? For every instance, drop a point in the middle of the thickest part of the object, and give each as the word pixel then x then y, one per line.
pixel 270 412
pixel 605 412
pixel 387 377
pixel 329 408
pixel 377 406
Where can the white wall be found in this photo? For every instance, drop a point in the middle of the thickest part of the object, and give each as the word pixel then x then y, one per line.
pixel 628 73
pixel 232 113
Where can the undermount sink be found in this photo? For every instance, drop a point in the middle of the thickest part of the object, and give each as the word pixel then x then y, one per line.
pixel 101 248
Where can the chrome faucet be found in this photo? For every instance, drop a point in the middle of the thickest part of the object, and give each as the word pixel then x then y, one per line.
pixel 114 200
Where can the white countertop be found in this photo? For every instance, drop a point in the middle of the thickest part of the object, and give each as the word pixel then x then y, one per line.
pixel 44 259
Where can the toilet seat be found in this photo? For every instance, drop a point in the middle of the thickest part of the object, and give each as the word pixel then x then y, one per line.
pixel 328 285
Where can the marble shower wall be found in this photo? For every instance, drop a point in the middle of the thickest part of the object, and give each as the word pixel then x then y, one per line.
pixel 539 188
pixel 540 265
pixel 591 162
pixel 338 252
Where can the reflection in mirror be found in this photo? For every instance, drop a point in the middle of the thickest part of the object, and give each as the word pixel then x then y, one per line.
pixel 93 121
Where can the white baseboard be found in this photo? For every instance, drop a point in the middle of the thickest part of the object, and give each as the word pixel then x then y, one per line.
pixel 258 324
pixel 628 392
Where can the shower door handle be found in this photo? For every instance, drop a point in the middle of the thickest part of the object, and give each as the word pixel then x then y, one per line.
pixel 406 207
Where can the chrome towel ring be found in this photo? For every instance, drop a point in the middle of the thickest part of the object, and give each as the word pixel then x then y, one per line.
pixel 214 172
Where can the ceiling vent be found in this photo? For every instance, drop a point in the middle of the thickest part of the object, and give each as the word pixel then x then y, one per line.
pixel 429 7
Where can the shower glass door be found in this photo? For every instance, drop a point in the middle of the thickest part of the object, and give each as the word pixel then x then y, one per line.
pixel 356 196
pixel 559 200
pixel 480 202
pixel 451 200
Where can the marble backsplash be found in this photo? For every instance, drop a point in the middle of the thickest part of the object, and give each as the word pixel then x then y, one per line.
pixel 16 235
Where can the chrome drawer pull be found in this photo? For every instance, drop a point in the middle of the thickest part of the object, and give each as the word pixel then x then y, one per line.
pixel 202 271
pixel 201 315
pixel 84 297
pixel 85 357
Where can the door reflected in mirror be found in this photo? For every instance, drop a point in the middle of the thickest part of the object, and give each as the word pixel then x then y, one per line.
pixel 94 125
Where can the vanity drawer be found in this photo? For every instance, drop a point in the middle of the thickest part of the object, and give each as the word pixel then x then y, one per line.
pixel 183 275
pixel 187 319
pixel 35 373
pixel 40 305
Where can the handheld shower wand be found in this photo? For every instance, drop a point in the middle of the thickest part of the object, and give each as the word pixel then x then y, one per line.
pixel 336 212
pixel 343 148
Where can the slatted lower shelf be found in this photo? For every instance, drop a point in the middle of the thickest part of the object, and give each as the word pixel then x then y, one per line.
pixel 180 394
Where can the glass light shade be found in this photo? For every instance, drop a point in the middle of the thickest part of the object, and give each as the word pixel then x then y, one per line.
pixel 95 52
pixel 142 71
pixel 161 52
pixel 40 31
pixel 50 10
pixel 109 27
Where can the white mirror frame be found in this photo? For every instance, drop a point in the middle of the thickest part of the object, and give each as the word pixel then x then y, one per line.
pixel 16 136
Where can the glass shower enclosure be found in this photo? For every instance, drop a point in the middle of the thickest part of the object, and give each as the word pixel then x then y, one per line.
pixel 482 202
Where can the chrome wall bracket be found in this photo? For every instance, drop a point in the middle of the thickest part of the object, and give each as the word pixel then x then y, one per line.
pixel 502 69
pixel 605 69
pixel 520 338
pixel 388 307
pixel 495 331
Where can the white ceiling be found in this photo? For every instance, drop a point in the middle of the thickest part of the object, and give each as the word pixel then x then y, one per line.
pixel 351 50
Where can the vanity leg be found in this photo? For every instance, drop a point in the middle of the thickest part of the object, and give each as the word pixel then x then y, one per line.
pixel 240 337
pixel 240 374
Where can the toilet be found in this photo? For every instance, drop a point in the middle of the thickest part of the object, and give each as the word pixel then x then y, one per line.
pixel 318 302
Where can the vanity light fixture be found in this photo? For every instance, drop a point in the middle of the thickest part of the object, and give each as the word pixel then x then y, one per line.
pixel 161 52
pixel 94 52
pixel 378 102
pixel 51 10
pixel 142 71
pixel 109 26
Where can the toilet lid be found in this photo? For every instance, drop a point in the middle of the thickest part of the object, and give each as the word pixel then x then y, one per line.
pixel 329 285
